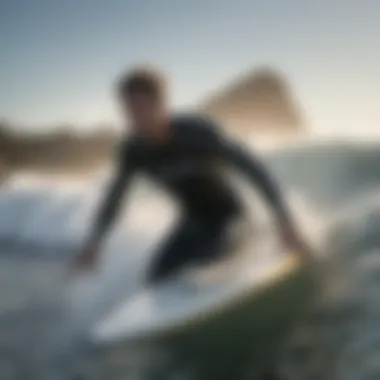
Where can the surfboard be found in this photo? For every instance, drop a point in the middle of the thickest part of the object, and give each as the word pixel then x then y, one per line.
pixel 258 276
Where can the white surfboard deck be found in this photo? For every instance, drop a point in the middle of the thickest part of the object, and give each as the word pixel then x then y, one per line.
pixel 196 294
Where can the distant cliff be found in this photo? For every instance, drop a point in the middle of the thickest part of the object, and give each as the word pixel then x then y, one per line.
pixel 260 101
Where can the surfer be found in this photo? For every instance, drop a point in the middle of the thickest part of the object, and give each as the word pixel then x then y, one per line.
pixel 186 155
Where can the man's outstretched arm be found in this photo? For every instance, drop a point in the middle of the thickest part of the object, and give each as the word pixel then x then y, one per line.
pixel 207 138
pixel 106 215
pixel 210 140
pixel 257 173
pixel 109 208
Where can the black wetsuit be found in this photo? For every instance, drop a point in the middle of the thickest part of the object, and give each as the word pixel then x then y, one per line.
pixel 190 166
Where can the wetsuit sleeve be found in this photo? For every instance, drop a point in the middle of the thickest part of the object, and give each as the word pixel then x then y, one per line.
pixel 212 140
pixel 117 187
pixel 249 164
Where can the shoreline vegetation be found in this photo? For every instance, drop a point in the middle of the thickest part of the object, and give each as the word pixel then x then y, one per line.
pixel 60 152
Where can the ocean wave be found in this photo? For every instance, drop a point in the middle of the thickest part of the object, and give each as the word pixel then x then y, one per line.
pixel 327 176
pixel 333 174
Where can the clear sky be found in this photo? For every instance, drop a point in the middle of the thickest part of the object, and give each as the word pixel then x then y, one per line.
pixel 59 58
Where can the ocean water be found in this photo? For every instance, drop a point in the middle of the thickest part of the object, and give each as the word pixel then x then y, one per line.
pixel 45 315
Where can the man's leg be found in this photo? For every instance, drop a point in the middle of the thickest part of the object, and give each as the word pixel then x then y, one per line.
pixel 194 241
pixel 175 252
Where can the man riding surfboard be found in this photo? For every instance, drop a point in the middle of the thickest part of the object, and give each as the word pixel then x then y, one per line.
pixel 185 154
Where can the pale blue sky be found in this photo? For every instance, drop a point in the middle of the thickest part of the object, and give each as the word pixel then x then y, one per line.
pixel 59 58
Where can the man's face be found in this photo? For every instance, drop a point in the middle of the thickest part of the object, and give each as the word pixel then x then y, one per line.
pixel 145 112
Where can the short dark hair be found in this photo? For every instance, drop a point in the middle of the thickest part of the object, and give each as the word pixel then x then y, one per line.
pixel 142 79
